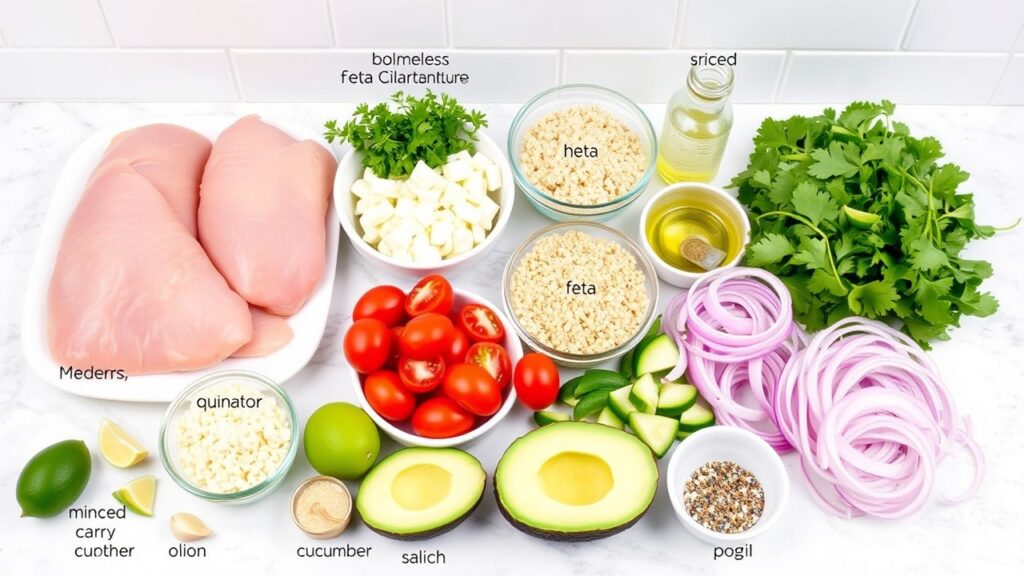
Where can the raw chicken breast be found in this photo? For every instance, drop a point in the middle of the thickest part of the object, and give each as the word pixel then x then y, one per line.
pixel 171 158
pixel 269 334
pixel 133 290
pixel 263 211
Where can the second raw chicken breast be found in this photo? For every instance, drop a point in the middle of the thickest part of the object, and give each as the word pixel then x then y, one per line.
pixel 262 213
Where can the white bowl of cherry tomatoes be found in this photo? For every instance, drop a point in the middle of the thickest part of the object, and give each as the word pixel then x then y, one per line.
pixel 432 366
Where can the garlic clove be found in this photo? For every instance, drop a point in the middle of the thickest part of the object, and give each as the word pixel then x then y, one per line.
pixel 188 527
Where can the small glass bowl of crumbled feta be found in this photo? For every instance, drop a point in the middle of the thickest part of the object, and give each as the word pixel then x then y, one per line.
pixel 438 220
pixel 229 437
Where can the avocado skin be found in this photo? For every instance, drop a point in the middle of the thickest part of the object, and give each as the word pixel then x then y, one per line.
pixel 565 536
pixel 428 534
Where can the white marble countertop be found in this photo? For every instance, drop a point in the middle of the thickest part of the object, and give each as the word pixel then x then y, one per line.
pixel 982 365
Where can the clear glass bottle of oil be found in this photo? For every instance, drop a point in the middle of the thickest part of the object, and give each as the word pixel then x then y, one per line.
pixel 697 125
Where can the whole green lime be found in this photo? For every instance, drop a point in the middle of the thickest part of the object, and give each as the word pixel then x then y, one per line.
pixel 54 478
pixel 341 441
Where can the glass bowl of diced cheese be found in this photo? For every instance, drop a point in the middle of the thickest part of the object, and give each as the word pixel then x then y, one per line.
pixel 438 220
pixel 230 437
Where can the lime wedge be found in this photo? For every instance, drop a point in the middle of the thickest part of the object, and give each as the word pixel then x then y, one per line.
pixel 118 447
pixel 138 495
pixel 859 218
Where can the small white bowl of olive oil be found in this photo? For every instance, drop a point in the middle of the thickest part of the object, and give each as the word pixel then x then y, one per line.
pixel 687 211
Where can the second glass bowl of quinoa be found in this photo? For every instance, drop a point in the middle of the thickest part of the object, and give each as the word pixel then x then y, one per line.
pixel 581 293
pixel 581 152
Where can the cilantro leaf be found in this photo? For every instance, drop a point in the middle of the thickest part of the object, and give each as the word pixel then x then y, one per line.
pixel 831 162
pixel 816 205
pixel 873 299
pixel 770 249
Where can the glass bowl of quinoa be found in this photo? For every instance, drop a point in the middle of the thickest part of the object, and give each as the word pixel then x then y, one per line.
pixel 580 292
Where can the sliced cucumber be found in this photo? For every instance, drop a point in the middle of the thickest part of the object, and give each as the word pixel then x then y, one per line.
pixel 682 435
pixel 658 432
pixel 598 380
pixel 545 417
pixel 619 401
pixel 608 417
pixel 644 394
pixel 590 404
pixel 567 393
pixel 659 355
pixel 698 416
pixel 675 398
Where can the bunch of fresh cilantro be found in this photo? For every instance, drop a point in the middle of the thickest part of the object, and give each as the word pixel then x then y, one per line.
pixel 858 217
pixel 394 137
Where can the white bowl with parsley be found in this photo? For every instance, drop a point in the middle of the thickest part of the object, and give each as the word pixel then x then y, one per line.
pixel 421 201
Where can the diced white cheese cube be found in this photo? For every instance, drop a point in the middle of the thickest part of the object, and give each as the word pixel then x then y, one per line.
pixel 458 170
pixel 426 254
pixel 430 196
pixel 402 255
pixel 460 155
pixel 424 177
pixel 462 240
pixel 384 248
pixel 362 188
pixel 405 208
pixel 453 193
pixel 479 233
pixel 424 215
pixel 466 212
pixel 493 176
pixel 488 209
pixel 378 214
pixel 364 204
pixel 441 232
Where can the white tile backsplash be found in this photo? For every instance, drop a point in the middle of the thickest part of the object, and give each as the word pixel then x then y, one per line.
pixel 389 23
pixel 563 23
pixel 652 76
pixel 934 51
pixel 51 23
pixel 958 25
pixel 91 74
pixel 315 75
pixel 1011 90
pixel 219 23
pixel 794 24
pixel 921 78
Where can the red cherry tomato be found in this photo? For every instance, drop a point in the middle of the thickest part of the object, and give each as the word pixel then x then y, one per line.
pixel 385 303
pixel 421 376
pixel 481 323
pixel 473 388
pixel 431 294
pixel 459 347
pixel 396 353
pixel 387 396
pixel 427 336
pixel 494 359
pixel 441 417
pixel 368 345
pixel 536 381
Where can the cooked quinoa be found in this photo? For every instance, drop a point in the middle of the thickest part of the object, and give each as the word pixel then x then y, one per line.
pixel 579 323
pixel 619 165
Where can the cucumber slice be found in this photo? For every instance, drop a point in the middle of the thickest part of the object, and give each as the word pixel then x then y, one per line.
pixel 700 415
pixel 545 417
pixel 590 404
pixel 682 435
pixel 660 354
pixel 608 417
pixel 598 380
pixel 675 398
pixel 567 393
pixel 644 394
pixel 619 401
pixel 658 432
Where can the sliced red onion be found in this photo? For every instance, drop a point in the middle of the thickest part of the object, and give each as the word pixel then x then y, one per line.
pixel 865 408
pixel 735 332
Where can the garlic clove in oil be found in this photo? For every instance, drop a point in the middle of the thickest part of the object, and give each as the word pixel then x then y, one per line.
pixel 188 527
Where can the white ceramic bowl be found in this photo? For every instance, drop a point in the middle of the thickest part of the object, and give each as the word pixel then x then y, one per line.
pixel 351 169
pixel 743 448
pixel 402 432
pixel 672 195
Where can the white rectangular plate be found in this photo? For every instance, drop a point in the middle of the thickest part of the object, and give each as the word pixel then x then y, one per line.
pixel 307 324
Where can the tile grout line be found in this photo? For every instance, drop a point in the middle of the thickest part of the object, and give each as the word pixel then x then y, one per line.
pixel 1002 78
pixel 330 23
pixel 902 46
pixel 106 23
pixel 677 26
pixel 783 78
pixel 449 34
pixel 233 73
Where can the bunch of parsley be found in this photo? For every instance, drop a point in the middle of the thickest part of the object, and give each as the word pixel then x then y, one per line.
pixel 393 137
pixel 858 217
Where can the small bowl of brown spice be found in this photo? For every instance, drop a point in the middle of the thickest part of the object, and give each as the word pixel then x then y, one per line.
pixel 322 507
pixel 726 485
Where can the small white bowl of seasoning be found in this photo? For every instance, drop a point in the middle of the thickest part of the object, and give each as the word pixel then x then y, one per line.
pixel 737 471
pixel 683 227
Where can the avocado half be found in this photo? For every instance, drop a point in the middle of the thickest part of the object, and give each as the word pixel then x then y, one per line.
pixel 419 493
pixel 575 481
